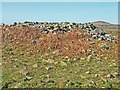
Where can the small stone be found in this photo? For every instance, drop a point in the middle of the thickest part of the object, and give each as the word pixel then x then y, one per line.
pixel 92 82
pixel 92 43
pixel 99 39
pixel 67 80
pixel 55 52
pixel 48 76
pixel 88 72
pixel 33 42
pixel 70 71
pixel 17 85
pixel 110 76
pixel 21 53
pixel 76 72
pixel 66 57
pixel 27 78
pixel 82 76
pixel 72 83
pixel 55 62
pixel 94 36
pixel 49 61
pixel 89 57
pixel 45 31
pixel 42 82
pixel 89 50
pixel 116 74
pixel 50 68
pixel 63 63
pixel 89 39
pixel 25 72
pixel 51 81
pixel 74 59
pixel 105 46
pixel 67 84
pixel 35 65
pixel 96 75
pixel 16 59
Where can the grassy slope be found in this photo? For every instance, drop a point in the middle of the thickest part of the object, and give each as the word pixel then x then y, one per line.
pixel 77 71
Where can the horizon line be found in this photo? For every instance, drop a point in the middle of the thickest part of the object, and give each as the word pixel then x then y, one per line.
pixel 59 22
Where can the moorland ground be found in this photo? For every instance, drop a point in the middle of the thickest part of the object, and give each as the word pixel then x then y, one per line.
pixel 66 60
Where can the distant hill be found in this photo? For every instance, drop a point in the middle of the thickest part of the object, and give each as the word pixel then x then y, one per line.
pixel 106 25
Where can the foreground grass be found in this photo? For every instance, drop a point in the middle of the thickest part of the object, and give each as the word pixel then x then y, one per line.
pixel 82 73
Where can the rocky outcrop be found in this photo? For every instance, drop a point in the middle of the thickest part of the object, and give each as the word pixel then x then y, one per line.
pixel 62 27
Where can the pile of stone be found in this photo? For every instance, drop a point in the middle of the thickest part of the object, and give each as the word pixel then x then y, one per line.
pixel 62 27
pixel 54 27
pixel 97 33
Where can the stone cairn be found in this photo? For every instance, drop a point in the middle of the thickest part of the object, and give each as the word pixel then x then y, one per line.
pixel 62 27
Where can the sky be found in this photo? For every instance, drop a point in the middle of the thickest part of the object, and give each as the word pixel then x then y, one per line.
pixel 80 12
pixel 60 0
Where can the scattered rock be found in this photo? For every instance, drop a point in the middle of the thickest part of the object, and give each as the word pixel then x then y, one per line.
pixel 116 74
pixel 72 83
pixel 24 72
pixel 88 72
pixel 47 76
pixel 28 78
pixel 94 36
pixel 45 31
pixel 42 82
pixel 70 71
pixel 93 83
pixel 66 57
pixel 55 52
pixel 92 43
pixel 96 75
pixel 51 81
pixel 50 68
pixel 21 53
pixel 35 65
pixel 105 46
pixel 89 57
pixel 110 76
pixel 17 85
pixel 49 61
pixel 62 27
pixel 33 42
pixel 63 63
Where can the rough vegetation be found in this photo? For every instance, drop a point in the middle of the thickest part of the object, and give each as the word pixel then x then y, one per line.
pixel 38 55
